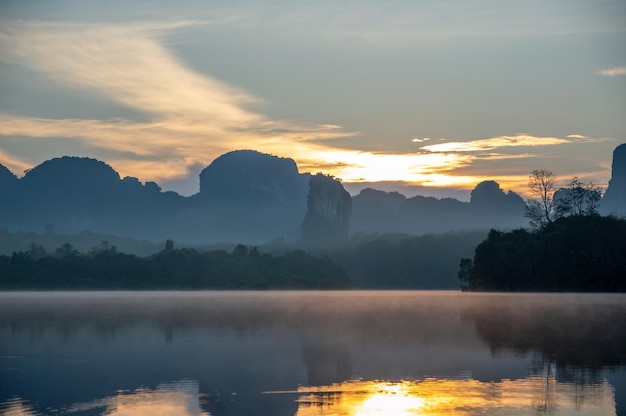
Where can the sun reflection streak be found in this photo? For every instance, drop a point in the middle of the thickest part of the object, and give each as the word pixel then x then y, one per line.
pixel 462 397
pixel 391 399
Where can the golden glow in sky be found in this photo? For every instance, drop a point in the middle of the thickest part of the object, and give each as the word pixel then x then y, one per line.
pixel 169 109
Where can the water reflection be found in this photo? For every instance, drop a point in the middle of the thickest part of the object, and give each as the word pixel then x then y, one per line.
pixel 579 331
pixel 465 397
pixel 546 354
pixel 180 398
pixel 16 406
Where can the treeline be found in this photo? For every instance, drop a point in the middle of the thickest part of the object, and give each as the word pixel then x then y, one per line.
pixel 578 253
pixel 83 241
pixel 104 268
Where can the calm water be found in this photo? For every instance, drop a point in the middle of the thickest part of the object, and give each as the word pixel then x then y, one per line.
pixel 311 353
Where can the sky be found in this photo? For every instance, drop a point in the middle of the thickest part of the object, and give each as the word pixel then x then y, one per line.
pixel 425 97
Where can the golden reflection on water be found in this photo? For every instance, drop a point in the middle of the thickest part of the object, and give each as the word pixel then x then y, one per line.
pixel 180 398
pixel 463 397
pixel 16 407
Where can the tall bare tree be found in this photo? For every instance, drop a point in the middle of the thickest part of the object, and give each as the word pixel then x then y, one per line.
pixel 540 207
pixel 578 198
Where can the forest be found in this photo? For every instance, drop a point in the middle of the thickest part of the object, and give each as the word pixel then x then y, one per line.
pixel 577 253
pixel 104 268
pixel 369 261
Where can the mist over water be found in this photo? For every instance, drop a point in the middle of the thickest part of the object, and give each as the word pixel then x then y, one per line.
pixel 305 353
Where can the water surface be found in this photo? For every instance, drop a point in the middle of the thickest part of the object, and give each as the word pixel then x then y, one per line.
pixel 311 353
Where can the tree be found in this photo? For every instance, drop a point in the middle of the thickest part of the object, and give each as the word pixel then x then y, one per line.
pixel 66 250
pixel 578 199
pixel 540 207
pixel 105 248
pixel 36 251
pixel 465 269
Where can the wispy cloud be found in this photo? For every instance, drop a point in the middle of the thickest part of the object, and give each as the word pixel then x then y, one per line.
pixel 494 143
pixel 126 64
pixel 614 71
pixel 13 163
pixel 188 117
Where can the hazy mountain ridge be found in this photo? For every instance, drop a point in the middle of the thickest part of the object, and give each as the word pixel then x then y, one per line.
pixel 614 200
pixel 246 197
pixel 489 206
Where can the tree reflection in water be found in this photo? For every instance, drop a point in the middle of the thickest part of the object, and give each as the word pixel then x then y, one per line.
pixel 518 354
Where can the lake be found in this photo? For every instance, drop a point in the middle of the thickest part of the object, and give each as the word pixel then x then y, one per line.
pixel 312 353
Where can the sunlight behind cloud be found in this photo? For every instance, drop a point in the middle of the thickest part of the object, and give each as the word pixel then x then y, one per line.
pixel 183 118
pixel 190 118
pixel 354 166
pixel 495 143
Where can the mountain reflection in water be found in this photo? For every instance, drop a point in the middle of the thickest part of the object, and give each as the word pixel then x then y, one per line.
pixel 343 353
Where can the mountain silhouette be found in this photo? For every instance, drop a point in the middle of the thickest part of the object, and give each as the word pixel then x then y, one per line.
pixel 250 176
pixel 489 206
pixel 329 207
pixel 614 200
pixel 249 197
pixel 245 196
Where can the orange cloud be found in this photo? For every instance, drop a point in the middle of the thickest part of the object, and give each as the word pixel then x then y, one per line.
pixel 495 143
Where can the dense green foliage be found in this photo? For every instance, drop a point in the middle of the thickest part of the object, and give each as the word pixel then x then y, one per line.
pixel 579 253
pixel 105 268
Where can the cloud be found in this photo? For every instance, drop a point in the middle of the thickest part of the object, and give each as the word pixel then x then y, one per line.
pixel 187 118
pixel 614 71
pixel 355 166
pixel 13 163
pixel 127 65
pixel 494 143
pixel 576 136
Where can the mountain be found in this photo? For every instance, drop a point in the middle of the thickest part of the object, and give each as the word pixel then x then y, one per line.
pixel 7 178
pixel 250 176
pixel 329 207
pixel 489 206
pixel 245 196
pixel 614 200
pixel 249 197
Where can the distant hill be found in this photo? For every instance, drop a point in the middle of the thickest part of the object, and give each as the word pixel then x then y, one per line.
pixel 7 178
pixel 248 197
pixel 489 206
pixel 251 197
pixel 245 196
